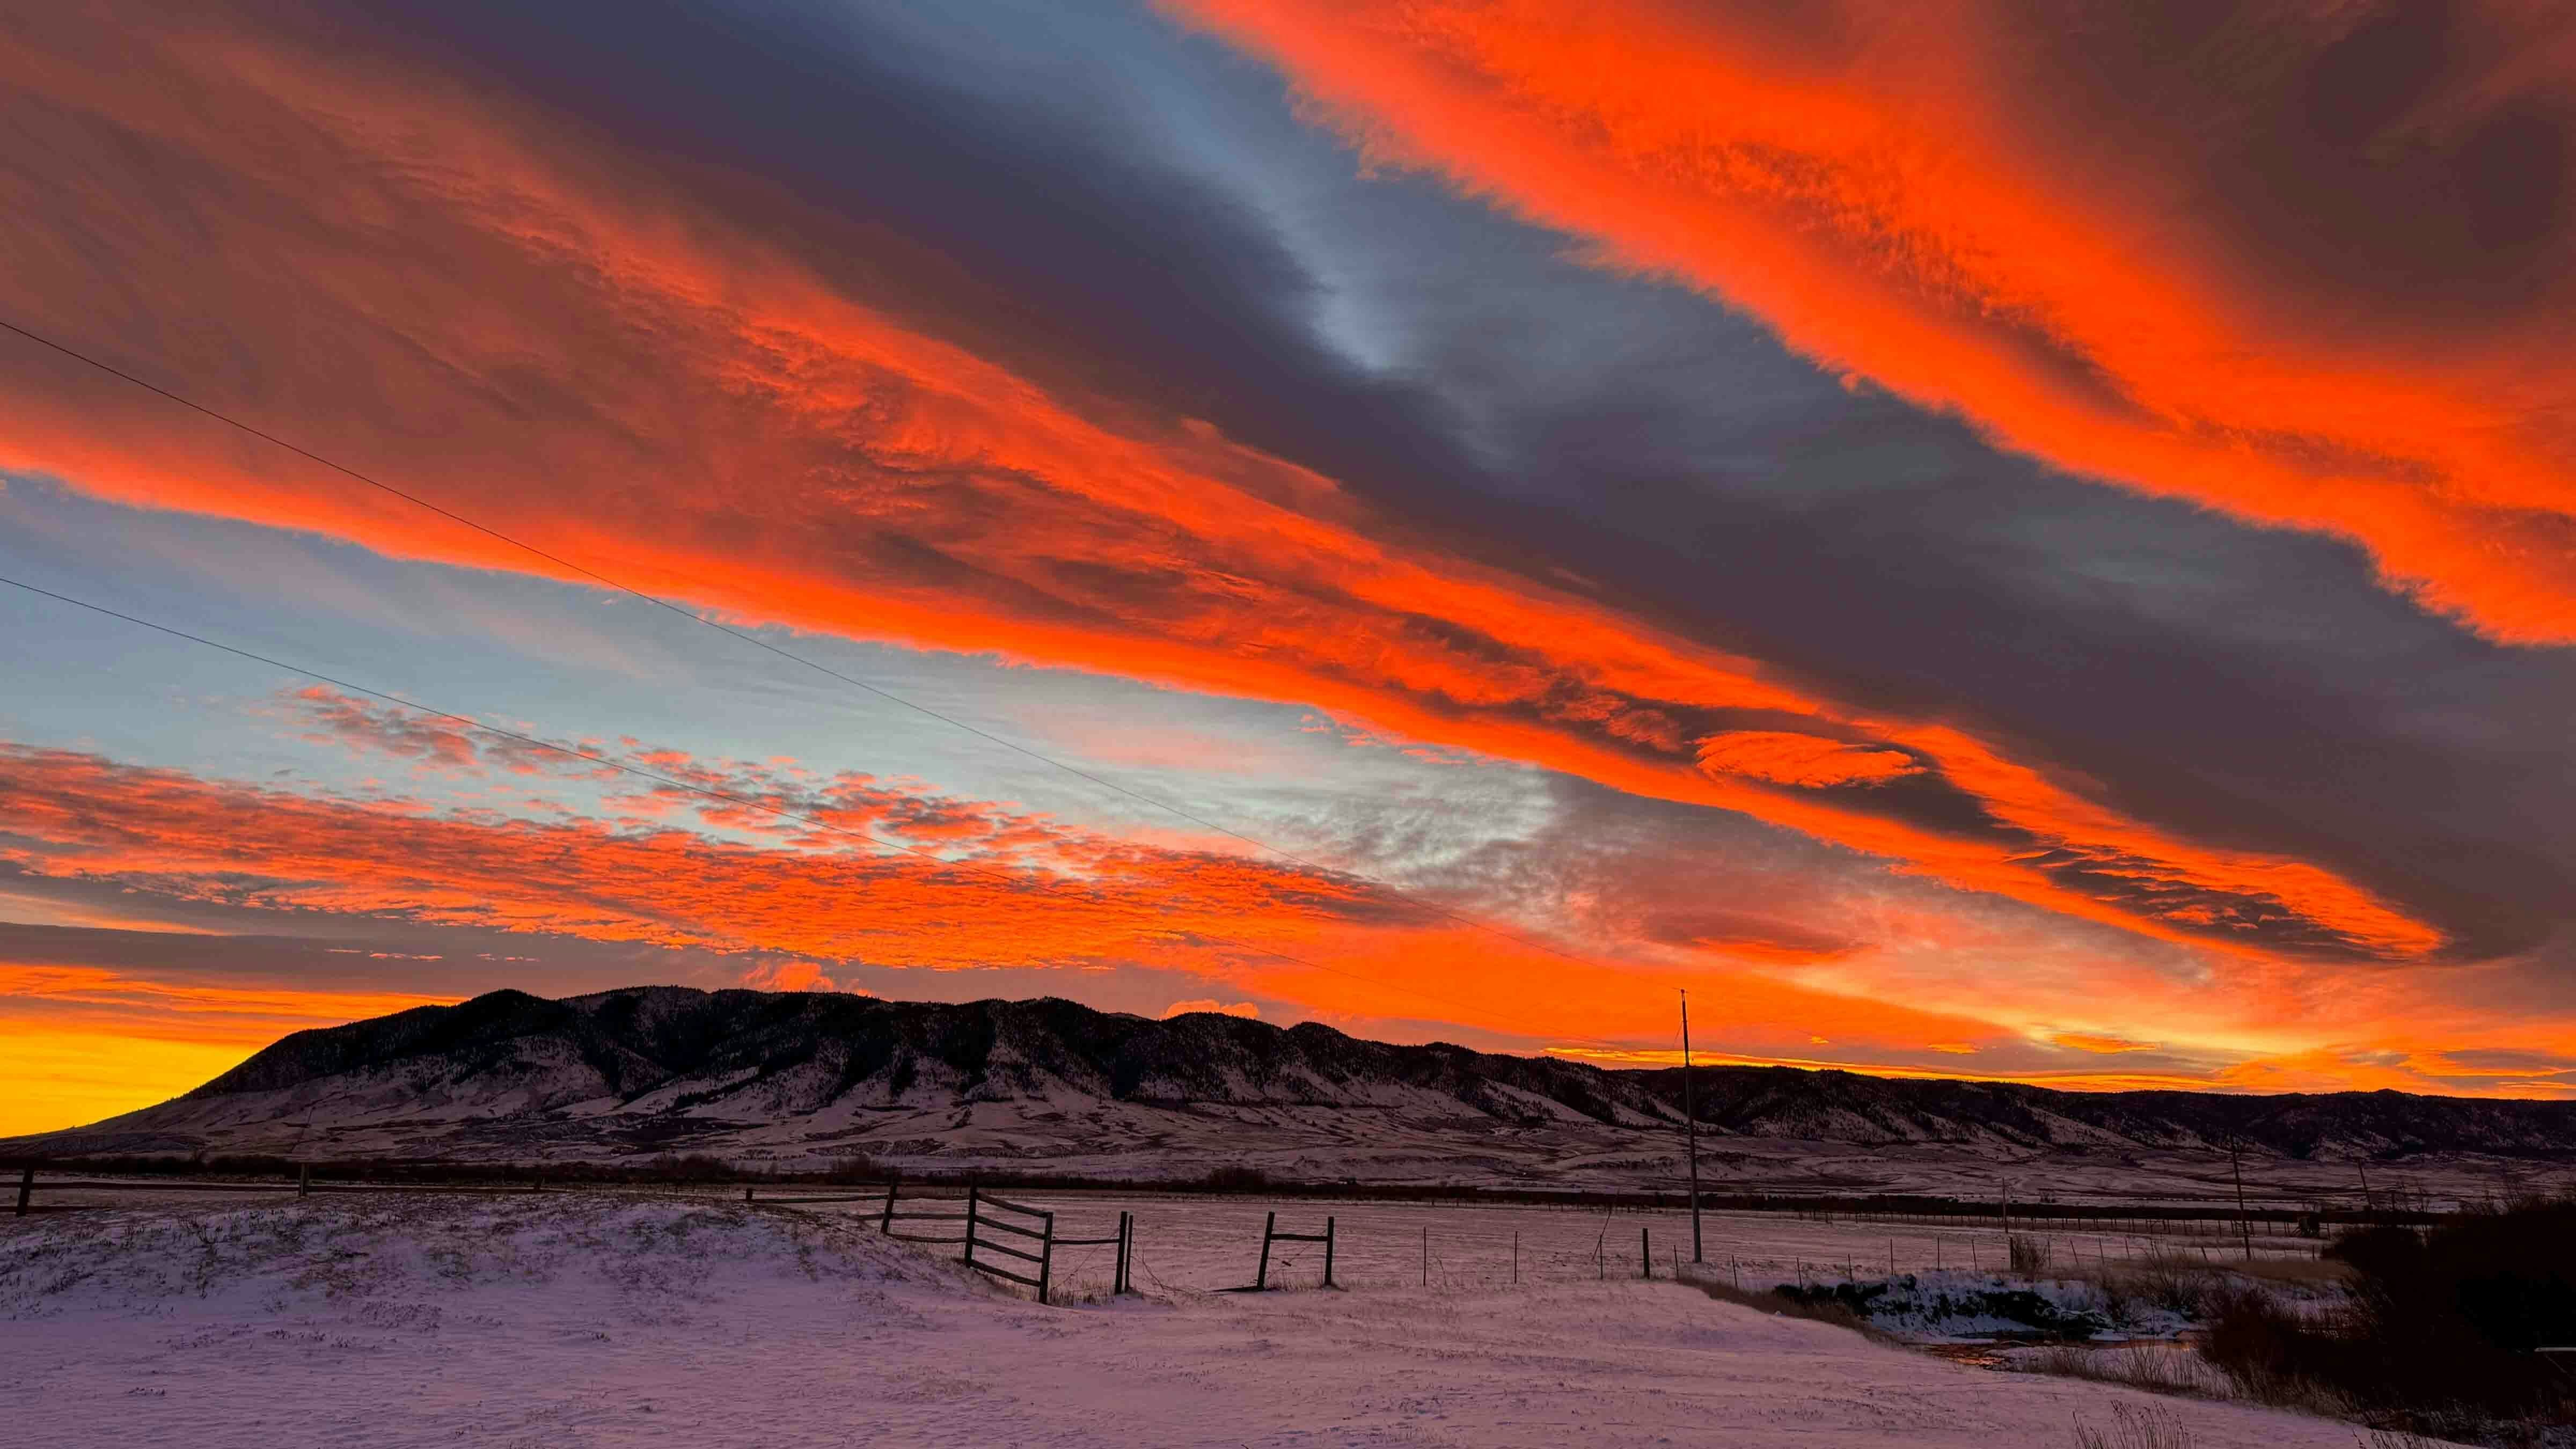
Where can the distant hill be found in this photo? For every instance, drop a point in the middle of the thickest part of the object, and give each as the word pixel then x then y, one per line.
pixel 802 1078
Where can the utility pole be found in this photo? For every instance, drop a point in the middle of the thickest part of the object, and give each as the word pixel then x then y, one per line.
pixel 1690 1127
pixel 2244 1230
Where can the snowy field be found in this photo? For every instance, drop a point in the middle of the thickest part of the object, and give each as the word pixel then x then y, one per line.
pixel 571 1319
pixel 1203 1243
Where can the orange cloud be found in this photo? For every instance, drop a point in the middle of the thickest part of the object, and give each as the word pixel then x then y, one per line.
pixel 1779 757
pixel 1020 891
pixel 2104 1045
pixel 1021 894
pixel 2068 1081
pixel 782 447
pixel 2307 264
pixel 1244 1009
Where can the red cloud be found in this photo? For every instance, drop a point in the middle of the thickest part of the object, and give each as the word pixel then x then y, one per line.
pixel 1072 899
pixel 823 895
pixel 751 437
pixel 1037 894
pixel 1804 761
pixel 2309 264
pixel 363 726
pixel 1211 1004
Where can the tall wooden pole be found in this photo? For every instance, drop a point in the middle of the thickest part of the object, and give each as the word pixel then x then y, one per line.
pixel 1690 1127
pixel 2244 1230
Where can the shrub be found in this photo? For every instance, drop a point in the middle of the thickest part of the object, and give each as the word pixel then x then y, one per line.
pixel 2176 1284
pixel 2432 1325
pixel 2028 1255
pixel 861 1168
pixel 687 1167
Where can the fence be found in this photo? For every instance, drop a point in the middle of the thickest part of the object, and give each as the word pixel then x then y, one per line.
pixel 985 1216
pixel 1270 1234
pixel 303 1186
pixel 978 1236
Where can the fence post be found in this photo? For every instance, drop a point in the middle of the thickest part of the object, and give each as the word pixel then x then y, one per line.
pixel 746 1194
pixel 1046 1255
pixel 885 1224
pixel 304 1179
pixel 974 1199
pixel 26 1189
pixel 1516 1258
pixel 1126 1244
pixel 1328 1252
pixel 1645 1253
pixel 1269 1225
pixel 1426 1255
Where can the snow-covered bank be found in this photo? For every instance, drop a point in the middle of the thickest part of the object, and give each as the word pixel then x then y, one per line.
pixel 574 1320
pixel 1957 1304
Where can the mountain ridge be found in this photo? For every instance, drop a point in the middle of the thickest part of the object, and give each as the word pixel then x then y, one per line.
pixel 799 1077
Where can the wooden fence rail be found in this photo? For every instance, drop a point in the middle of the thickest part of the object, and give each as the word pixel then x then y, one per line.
pixel 986 1227
pixel 1270 1234
pixel 303 1186
pixel 985 1219
pixel 976 1217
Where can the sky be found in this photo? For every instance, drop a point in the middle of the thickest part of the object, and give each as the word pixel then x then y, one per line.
pixel 1992 540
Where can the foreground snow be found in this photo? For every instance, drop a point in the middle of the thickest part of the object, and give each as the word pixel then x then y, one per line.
pixel 569 1320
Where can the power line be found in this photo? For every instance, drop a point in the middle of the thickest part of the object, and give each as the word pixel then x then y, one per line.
pixel 727 796
pixel 753 639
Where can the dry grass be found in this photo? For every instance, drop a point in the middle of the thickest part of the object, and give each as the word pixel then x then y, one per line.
pixel 2318 1272
pixel 1773 1303
pixel 2156 1368
pixel 2135 1426
pixel 2191 1286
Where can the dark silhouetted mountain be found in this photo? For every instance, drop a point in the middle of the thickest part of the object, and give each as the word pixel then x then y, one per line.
pixel 802 1078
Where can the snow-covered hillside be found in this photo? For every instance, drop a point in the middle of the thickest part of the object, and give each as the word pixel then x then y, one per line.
pixel 798 1080
pixel 573 1320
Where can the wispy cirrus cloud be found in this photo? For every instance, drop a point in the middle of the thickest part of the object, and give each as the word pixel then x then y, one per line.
pixel 815 442
pixel 2304 264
